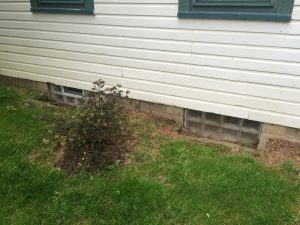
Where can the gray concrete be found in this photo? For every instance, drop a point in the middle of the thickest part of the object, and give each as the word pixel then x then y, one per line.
pixel 160 110
pixel 271 131
pixel 40 86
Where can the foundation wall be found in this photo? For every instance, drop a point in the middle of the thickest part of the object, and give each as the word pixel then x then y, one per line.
pixel 271 131
pixel 266 132
pixel 36 85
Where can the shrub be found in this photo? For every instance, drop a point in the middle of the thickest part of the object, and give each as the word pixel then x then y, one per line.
pixel 96 135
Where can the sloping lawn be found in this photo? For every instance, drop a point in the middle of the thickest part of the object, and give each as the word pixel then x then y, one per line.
pixel 166 179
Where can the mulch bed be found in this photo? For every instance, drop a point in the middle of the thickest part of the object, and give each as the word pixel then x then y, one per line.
pixel 278 150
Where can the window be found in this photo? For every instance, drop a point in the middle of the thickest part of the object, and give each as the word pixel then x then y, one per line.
pixel 63 6
pixel 277 10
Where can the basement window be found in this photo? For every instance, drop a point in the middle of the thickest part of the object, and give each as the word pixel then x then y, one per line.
pixel 233 129
pixel 274 10
pixel 65 95
pixel 63 6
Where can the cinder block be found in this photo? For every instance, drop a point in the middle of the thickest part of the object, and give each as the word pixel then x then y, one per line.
pixel 271 131
pixel 173 110
pixel 42 87
pixel 177 119
pixel 293 133
pixel 158 107
pixel 35 85
pixel 264 138
pixel 159 110
pixel 285 132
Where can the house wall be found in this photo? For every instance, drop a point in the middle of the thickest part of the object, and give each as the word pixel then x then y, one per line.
pixel 246 69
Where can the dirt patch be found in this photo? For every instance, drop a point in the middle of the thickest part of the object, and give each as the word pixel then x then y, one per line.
pixel 278 150
pixel 171 129
pixel 34 155
pixel 58 154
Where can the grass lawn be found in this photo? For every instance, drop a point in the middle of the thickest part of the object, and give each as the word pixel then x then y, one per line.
pixel 167 179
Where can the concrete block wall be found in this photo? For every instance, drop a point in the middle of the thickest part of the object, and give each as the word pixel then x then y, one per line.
pixel 163 111
pixel 272 131
pixel 160 110
pixel 35 85
pixel 216 126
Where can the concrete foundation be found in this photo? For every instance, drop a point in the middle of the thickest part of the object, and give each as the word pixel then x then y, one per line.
pixel 40 86
pixel 271 131
pixel 212 125
pixel 160 110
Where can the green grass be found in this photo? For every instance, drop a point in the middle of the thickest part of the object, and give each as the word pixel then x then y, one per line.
pixel 168 180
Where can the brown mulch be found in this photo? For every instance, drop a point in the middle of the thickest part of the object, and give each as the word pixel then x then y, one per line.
pixel 278 150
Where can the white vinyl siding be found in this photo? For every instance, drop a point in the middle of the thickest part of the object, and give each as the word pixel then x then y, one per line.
pixel 247 69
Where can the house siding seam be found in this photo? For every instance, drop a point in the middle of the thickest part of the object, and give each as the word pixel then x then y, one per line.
pixel 246 69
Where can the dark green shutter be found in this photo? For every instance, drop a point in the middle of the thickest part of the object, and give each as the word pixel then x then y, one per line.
pixel 277 10
pixel 63 6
